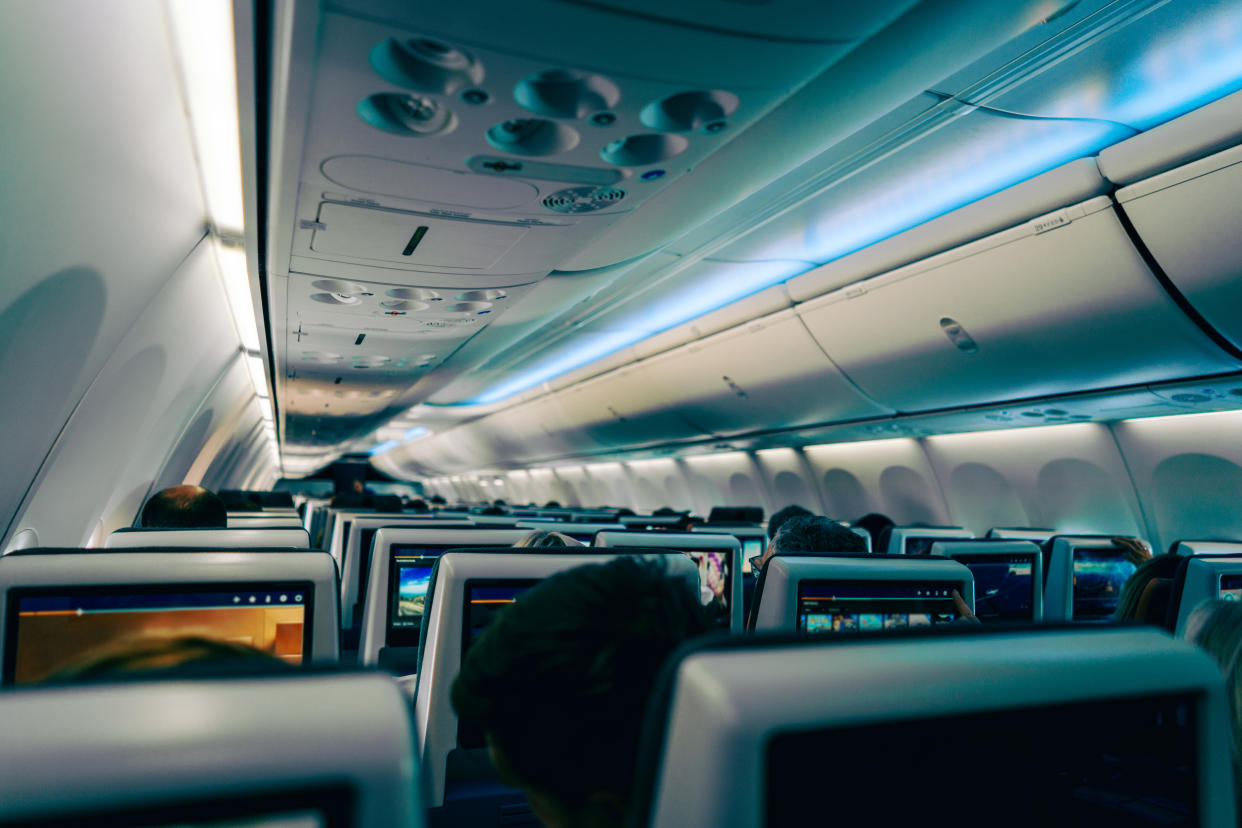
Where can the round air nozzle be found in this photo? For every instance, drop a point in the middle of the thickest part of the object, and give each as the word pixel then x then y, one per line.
pixel 426 64
pixel 641 150
pixel 689 111
pixel 566 93
pixel 404 305
pixel 335 298
pixel 481 295
pixel 532 136
pixel 409 115
pixel 583 199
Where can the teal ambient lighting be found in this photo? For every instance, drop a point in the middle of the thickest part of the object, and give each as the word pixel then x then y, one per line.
pixel 1156 69
pixel 416 431
pixel 383 447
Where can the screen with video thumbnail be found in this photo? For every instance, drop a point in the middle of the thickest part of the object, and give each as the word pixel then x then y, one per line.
pixel 715 582
pixel 1099 575
pixel 1231 587
pixel 50 629
pixel 409 577
pixel 852 606
pixel 1004 588
pixel 483 601
pixel 921 545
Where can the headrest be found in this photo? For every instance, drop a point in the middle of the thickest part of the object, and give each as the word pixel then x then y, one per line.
pixel 735 514
pixel 220 750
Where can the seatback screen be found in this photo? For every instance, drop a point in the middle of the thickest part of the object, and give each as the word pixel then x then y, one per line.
pixel 1098 576
pixel 849 606
pixel 1004 587
pixel 1231 587
pixel 51 628
pixel 751 547
pixel 716 577
pixel 409 576
pixel 1102 763
pixel 482 602
pixel 918 545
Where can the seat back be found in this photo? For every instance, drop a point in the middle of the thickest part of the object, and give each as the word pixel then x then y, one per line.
pixel 355 562
pixel 58 606
pixel 264 520
pixel 718 557
pixel 1085 578
pixel 1115 726
pixel 1009 576
pixel 466 590
pixel 583 532
pixel 1204 578
pixel 208 538
pixel 917 540
pixel 1021 533
pixel 849 593
pixel 221 751
pixel 394 602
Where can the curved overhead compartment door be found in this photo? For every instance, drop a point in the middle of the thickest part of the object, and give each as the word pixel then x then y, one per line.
pixel 765 374
pixel 1190 221
pixel 624 409
pixel 1062 303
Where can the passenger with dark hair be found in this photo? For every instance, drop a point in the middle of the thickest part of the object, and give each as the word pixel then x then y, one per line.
pixel 546 538
pixel 551 504
pixel 811 535
pixel 558 684
pixel 492 511
pixel 777 520
pixel 665 511
pixel 417 505
pixel 184 507
pixel 437 500
pixel 880 527
pixel 1145 595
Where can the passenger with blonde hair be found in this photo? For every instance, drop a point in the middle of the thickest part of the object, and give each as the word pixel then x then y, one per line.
pixel 1216 628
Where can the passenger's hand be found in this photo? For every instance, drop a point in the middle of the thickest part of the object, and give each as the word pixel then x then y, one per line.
pixel 1136 550
pixel 963 609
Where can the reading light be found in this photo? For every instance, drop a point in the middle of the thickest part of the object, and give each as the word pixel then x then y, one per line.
pixel 202 35
pixel 236 280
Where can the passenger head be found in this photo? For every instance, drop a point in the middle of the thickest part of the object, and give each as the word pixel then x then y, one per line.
pixel 777 520
pixel 665 511
pixel 879 527
pixel 813 535
pixel 418 505
pixel 551 504
pixel 1145 596
pixel 167 657
pixel 545 538
pixel 559 683
pixel 184 507
pixel 492 511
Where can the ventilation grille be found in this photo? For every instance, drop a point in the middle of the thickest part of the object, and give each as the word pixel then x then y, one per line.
pixel 583 199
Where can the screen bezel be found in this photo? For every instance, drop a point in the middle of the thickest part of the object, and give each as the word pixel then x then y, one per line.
pixel 15 594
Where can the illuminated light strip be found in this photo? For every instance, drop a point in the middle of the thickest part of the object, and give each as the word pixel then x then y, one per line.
pixel 957 183
pixel 202 34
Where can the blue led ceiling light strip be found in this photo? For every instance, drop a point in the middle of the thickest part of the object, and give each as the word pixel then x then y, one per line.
pixel 1161 87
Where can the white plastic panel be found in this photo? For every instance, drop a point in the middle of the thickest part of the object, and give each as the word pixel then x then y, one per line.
pixel 731 382
pixel 1051 306
pixel 1190 221
pixel 1070 478
pixel 892 477
pixel 1188 472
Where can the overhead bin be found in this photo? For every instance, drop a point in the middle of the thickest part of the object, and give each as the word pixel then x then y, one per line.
pixel 624 408
pixel 765 374
pixel 1203 132
pixel 1061 303
pixel 1189 219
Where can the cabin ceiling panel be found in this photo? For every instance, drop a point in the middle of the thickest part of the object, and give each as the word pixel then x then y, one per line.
pixel 1064 303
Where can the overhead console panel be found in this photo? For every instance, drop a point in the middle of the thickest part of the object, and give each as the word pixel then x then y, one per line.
pixel 1062 303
